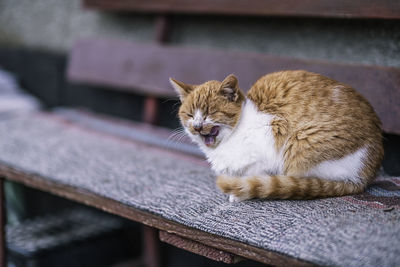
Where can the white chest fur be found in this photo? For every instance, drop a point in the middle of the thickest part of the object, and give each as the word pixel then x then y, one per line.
pixel 250 149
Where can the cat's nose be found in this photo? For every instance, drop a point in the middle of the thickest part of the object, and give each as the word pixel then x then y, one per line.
pixel 198 127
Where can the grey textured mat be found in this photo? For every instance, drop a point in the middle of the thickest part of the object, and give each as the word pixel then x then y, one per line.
pixel 361 230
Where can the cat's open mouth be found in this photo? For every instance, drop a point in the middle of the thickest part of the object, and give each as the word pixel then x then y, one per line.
pixel 209 139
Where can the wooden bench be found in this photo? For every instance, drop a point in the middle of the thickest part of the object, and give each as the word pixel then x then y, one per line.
pixel 145 69
pixel 129 169
pixel 386 9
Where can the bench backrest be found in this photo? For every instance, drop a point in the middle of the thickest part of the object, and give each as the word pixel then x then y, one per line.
pixel 387 9
pixel 145 69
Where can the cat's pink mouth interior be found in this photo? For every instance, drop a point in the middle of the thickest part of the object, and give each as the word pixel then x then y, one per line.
pixel 209 139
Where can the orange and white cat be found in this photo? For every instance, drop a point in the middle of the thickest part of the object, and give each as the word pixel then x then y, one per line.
pixel 295 135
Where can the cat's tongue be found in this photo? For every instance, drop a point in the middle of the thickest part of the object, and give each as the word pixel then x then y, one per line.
pixel 209 140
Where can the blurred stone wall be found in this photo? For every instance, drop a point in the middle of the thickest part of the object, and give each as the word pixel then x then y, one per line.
pixel 56 24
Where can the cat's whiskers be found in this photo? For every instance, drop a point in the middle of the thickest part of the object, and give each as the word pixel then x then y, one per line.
pixel 177 135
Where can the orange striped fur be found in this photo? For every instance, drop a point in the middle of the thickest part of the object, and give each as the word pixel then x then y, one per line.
pixel 285 187
pixel 315 120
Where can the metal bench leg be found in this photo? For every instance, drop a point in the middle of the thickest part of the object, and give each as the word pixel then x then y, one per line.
pixel 3 260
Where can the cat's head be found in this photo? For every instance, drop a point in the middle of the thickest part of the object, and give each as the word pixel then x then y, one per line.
pixel 209 111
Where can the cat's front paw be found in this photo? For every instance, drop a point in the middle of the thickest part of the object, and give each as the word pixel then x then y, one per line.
pixel 226 183
pixel 232 186
pixel 233 198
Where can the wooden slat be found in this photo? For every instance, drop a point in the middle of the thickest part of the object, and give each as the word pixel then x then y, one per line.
pixel 146 68
pixel 387 9
pixel 198 248
pixel 118 208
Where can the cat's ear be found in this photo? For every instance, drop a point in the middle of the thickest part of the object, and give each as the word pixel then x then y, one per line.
pixel 181 88
pixel 230 87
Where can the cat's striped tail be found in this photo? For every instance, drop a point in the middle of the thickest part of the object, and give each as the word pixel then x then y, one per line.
pixel 285 187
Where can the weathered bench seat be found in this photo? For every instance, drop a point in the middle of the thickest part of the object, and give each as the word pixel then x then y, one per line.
pixel 177 193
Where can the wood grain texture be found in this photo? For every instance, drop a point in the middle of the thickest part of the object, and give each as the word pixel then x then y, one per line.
pixel 115 207
pixel 198 248
pixel 387 9
pixel 146 69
